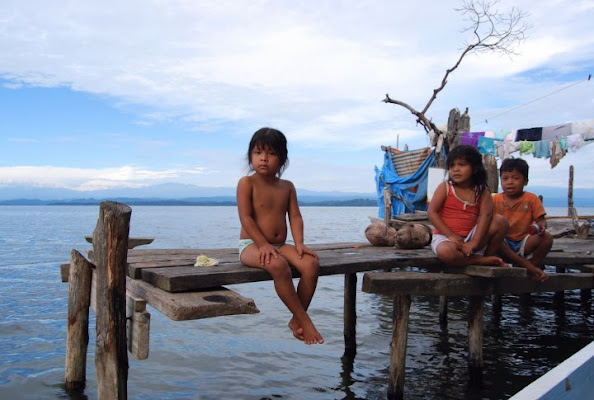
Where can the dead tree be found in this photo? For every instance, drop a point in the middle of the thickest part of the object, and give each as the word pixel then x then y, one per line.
pixel 492 31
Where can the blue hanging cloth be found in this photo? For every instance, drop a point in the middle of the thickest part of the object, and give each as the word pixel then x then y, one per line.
pixel 403 199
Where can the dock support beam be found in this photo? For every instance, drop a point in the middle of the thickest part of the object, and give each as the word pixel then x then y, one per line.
pixel 398 346
pixel 443 311
pixel 77 337
pixel 110 251
pixel 350 311
pixel 475 339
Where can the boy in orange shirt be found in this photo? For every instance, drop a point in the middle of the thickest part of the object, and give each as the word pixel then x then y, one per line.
pixel 525 215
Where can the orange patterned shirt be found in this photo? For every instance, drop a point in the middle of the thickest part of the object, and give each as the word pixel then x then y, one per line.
pixel 520 215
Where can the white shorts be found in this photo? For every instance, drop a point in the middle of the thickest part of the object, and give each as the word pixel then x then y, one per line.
pixel 439 239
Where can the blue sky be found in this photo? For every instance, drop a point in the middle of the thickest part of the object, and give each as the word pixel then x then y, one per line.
pixel 97 95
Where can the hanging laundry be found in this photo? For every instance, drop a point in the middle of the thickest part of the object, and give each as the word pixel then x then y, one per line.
pixel 554 132
pixel 486 145
pixel 511 137
pixel 489 134
pixel 471 138
pixel 575 141
pixel 502 135
pixel 556 154
pixel 585 127
pixel 531 134
pixel 504 149
pixel 563 143
pixel 542 149
pixel 526 147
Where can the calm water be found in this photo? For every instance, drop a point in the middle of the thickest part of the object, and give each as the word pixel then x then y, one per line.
pixel 255 356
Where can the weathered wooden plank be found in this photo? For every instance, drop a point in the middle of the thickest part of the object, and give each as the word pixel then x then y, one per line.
pixel 492 272
pixel 132 242
pixel 182 279
pixel 193 305
pixel 443 284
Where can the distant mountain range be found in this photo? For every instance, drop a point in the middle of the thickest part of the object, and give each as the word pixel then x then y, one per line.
pixel 166 194
pixel 182 194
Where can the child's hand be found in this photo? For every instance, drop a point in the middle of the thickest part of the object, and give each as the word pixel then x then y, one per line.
pixel 267 251
pixel 457 240
pixel 303 249
pixel 467 249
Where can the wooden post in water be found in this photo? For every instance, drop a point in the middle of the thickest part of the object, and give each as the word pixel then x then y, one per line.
pixel 443 310
pixel 475 339
pixel 350 311
pixel 559 297
pixel 398 346
pixel 110 251
pixel 570 192
pixel 77 337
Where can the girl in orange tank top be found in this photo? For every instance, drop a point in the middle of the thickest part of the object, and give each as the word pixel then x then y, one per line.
pixel 461 211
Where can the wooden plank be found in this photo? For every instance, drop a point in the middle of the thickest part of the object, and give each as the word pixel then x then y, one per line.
pixel 182 279
pixel 193 305
pixel 493 272
pixel 132 242
pixel 442 284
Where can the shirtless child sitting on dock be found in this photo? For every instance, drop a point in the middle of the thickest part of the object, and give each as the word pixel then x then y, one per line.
pixel 526 217
pixel 264 201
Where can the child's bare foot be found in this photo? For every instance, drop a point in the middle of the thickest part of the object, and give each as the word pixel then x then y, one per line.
pixel 311 335
pixel 297 330
pixel 538 274
pixel 490 260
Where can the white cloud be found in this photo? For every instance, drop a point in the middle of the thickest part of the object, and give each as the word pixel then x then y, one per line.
pixel 316 69
pixel 88 179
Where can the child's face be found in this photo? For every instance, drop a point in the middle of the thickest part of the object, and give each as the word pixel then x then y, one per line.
pixel 513 182
pixel 460 172
pixel 265 160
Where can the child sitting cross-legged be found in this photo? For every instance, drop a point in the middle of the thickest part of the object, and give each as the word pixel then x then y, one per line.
pixel 525 214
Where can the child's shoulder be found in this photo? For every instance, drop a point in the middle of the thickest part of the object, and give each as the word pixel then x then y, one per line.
pixel 530 196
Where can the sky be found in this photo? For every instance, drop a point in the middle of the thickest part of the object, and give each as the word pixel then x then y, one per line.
pixel 114 94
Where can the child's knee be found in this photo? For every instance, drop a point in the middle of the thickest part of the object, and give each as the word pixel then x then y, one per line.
pixel 278 266
pixel 499 223
pixel 547 240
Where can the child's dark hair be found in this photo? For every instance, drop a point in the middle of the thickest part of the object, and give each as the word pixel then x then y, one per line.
pixel 514 164
pixel 475 159
pixel 275 140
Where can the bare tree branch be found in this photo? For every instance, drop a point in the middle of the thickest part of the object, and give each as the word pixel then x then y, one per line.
pixel 492 31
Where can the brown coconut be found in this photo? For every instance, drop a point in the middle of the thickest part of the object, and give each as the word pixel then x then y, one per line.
pixel 413 236
pixel 379 235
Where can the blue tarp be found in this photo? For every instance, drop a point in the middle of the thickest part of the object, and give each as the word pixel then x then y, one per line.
pixel 403 200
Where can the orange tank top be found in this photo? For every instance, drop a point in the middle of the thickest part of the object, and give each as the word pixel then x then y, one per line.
pixel 459 215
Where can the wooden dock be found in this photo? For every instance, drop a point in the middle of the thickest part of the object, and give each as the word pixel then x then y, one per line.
pixel 167 280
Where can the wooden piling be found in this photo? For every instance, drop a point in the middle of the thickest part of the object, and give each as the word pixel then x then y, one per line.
pixel 570 192
pixel 475 339
pixel 398 346
pixel 350 311
pixel 497 303
pixel 559 297
pixel 443 310
pixel 110 250
pixel 77 336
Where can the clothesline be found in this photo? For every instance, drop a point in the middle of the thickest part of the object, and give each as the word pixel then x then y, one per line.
pixel 542 142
